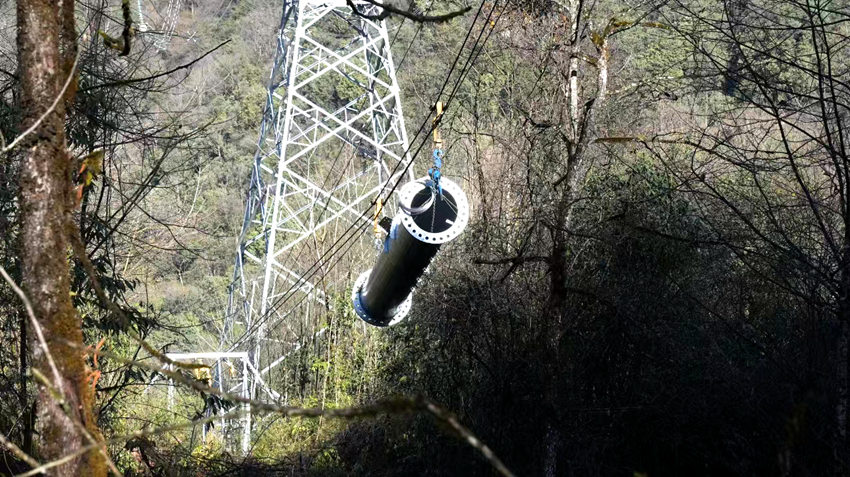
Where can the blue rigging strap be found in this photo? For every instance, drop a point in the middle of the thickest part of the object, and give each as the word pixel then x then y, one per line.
pixel 435 171
pixel 435 174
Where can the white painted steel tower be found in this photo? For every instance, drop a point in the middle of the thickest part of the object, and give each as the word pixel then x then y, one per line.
pixel 332 132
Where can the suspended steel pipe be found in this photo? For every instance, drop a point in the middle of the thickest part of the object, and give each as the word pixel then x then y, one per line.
pixel 382 296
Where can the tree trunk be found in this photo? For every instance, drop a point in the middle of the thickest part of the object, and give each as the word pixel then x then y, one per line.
pixel 554 327
pixel 842 372
pixel 842 360
pixel 45 27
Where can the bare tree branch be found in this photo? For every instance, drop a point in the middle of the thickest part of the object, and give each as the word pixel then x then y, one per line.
pixel 56 392
pixel 49 111
pixel 36 326
pixel 69 412
pixel 389 9
pixel 80 251
pixel 158 75
pixel 18 452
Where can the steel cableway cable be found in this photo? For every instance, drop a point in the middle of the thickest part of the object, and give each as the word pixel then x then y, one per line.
pixel 415 35
pixel 311 272
pixel 346 235
pixel 332 251
pixel 443 87
pixel 473 56
pixel 324 259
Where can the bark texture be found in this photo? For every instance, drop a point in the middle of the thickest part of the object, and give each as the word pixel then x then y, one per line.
pixel 46 52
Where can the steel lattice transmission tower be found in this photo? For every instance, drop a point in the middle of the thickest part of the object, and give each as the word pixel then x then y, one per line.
pixel 332 134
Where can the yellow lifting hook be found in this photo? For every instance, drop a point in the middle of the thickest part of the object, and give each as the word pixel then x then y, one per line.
pixel 438 141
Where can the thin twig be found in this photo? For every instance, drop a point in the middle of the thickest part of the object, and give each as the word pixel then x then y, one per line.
pixel 383 407
pixel 80 251
pixel 388 9
pixel 17 451
pixel 36 326
pixel 49 111
pixel 390 406
pixel 127 32
pixel 70 414
pixel 469 437
pixel 40 469
pixel 127 437
pixel 158 75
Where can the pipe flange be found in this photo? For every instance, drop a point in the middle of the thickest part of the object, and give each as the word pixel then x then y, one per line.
pixel 401 311
pixel 355 298
pixel 411 189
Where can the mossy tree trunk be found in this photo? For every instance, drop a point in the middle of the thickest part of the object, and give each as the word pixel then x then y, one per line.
pixel 46 53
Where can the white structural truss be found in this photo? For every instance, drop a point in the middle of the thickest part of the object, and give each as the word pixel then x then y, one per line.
pixel 331 137
pixel 224 370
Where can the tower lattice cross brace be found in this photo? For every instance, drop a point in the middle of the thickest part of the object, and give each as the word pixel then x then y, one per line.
pixel 332 134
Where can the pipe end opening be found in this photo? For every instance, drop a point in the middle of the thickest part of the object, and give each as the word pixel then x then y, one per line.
pixel 443 220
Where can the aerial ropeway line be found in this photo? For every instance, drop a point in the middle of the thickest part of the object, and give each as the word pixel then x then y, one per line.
pixel 289 202
pixel 346 239
pixel 432 211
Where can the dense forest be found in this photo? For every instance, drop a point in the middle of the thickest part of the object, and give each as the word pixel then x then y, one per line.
pixel 654 279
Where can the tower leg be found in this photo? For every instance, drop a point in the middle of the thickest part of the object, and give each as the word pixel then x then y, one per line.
pixel 332 137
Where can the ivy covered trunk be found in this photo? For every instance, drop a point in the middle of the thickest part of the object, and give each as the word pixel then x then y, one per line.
pixel 46 53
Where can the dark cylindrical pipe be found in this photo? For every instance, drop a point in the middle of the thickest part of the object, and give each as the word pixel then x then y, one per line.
pixel 382 295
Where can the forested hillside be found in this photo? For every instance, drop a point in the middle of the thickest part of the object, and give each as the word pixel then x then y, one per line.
pixel 654 280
